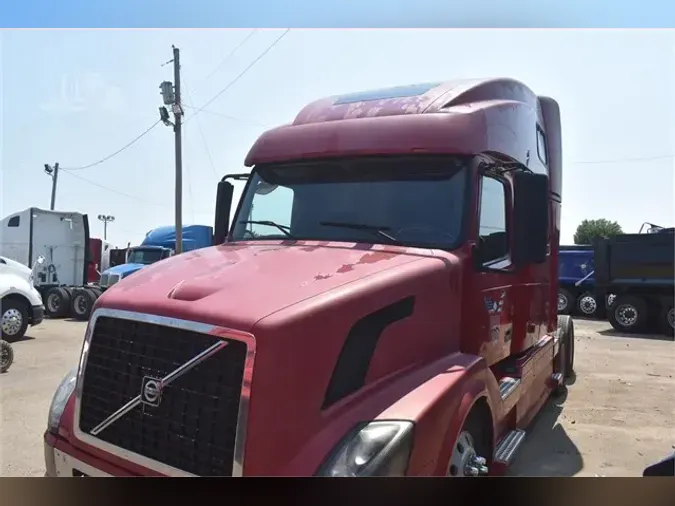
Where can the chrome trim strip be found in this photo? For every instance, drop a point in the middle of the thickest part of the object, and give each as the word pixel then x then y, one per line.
pixel 204 328
pixel 166 380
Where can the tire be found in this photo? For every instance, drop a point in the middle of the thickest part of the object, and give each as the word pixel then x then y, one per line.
pixel 564 361
pixel 587 304
pixel 6 356
pixel 14 318
pixel 628 314
pixel 565 301
pixel 481 445
pixel 82 304
pixel 96 290
pixel 57 302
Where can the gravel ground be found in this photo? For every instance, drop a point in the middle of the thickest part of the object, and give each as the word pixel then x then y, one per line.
pixel 618 417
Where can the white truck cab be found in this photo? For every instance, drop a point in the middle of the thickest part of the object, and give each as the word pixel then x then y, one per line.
pixel 20 303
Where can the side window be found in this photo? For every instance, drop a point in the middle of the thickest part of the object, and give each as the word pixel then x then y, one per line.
pixel 274 203
pixel 541 146
pixel 494 243
pixel 14 221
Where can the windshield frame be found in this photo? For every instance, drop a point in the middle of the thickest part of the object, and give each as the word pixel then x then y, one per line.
pixel 464 220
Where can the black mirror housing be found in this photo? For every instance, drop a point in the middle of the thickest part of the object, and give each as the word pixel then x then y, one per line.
pixel 222 218
pixel 530 218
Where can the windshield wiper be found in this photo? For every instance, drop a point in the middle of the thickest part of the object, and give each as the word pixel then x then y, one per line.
pixel 283 228
pixel 375 229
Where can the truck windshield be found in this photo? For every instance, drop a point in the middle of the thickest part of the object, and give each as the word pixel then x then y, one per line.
pixel 413 200
pixel 144 256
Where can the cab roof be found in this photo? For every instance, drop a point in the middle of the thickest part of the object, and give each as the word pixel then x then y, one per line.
pixel 425 98
pixel 463 116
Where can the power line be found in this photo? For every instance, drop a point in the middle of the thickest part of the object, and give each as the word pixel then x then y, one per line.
pixel 241 74
pixel 93 183
pixel 134 141
pixel 230 55
pixel 226 116
pixel 201 133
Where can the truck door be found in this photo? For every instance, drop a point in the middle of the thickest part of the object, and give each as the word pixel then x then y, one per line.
pixel 494 290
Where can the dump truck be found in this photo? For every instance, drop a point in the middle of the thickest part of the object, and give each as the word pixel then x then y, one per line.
pixel 383 303
pixel 640 270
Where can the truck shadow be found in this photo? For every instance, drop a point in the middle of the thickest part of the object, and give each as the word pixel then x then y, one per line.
pixel 547 450
pixel 636 335
pixel 12 340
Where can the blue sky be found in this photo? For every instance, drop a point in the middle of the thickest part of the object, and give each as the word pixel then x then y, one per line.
pixel 77 96
pixel 337 14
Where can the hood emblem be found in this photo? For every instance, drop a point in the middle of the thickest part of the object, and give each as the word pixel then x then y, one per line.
pixel 151 391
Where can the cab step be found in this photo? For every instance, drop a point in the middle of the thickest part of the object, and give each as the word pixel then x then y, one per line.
pixel 507 386
pixel 508 447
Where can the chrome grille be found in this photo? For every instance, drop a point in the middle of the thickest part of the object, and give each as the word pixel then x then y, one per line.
pixel 193 428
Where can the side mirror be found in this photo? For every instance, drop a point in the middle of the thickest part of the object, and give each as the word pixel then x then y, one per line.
pixel 222 218
pixel 530 218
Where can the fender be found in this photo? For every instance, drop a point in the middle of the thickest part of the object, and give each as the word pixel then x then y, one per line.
pixel 429 395
pixel 439 408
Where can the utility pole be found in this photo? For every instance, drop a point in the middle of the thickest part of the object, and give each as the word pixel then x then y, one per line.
pixel 178 114
pixel 106 218
pixel 53 172
pixel 171 96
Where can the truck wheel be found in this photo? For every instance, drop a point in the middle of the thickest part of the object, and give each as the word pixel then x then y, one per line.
pixel 14 319
pixel 82 304
pixel 57 302
pixel 96 290
pixel 565 301
pixel 628 313
pixel 6 356
pixel 587 304
pixel 471 450
pixel 564 361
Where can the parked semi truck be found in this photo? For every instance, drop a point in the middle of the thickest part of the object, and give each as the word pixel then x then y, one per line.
pixel 383 303
pixel 576 281
pixel 639 269
pixel 159 243
pixel 72 257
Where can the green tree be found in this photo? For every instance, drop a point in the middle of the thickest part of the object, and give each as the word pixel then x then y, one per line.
pixel 588 230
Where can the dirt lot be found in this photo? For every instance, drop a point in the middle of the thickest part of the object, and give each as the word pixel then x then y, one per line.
pixel 619 415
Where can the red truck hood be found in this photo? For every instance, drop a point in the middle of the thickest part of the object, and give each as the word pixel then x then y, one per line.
pixel 236 285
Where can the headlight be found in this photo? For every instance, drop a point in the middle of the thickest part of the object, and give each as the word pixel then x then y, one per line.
pixel 60 399
pixel 379 448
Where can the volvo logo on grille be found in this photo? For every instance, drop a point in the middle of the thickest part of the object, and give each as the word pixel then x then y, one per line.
pixel 151 391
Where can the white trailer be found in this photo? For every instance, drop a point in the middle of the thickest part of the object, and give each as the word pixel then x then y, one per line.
pixel 63 239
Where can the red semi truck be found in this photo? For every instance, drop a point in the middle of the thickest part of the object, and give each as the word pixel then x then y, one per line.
pixel 383 304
